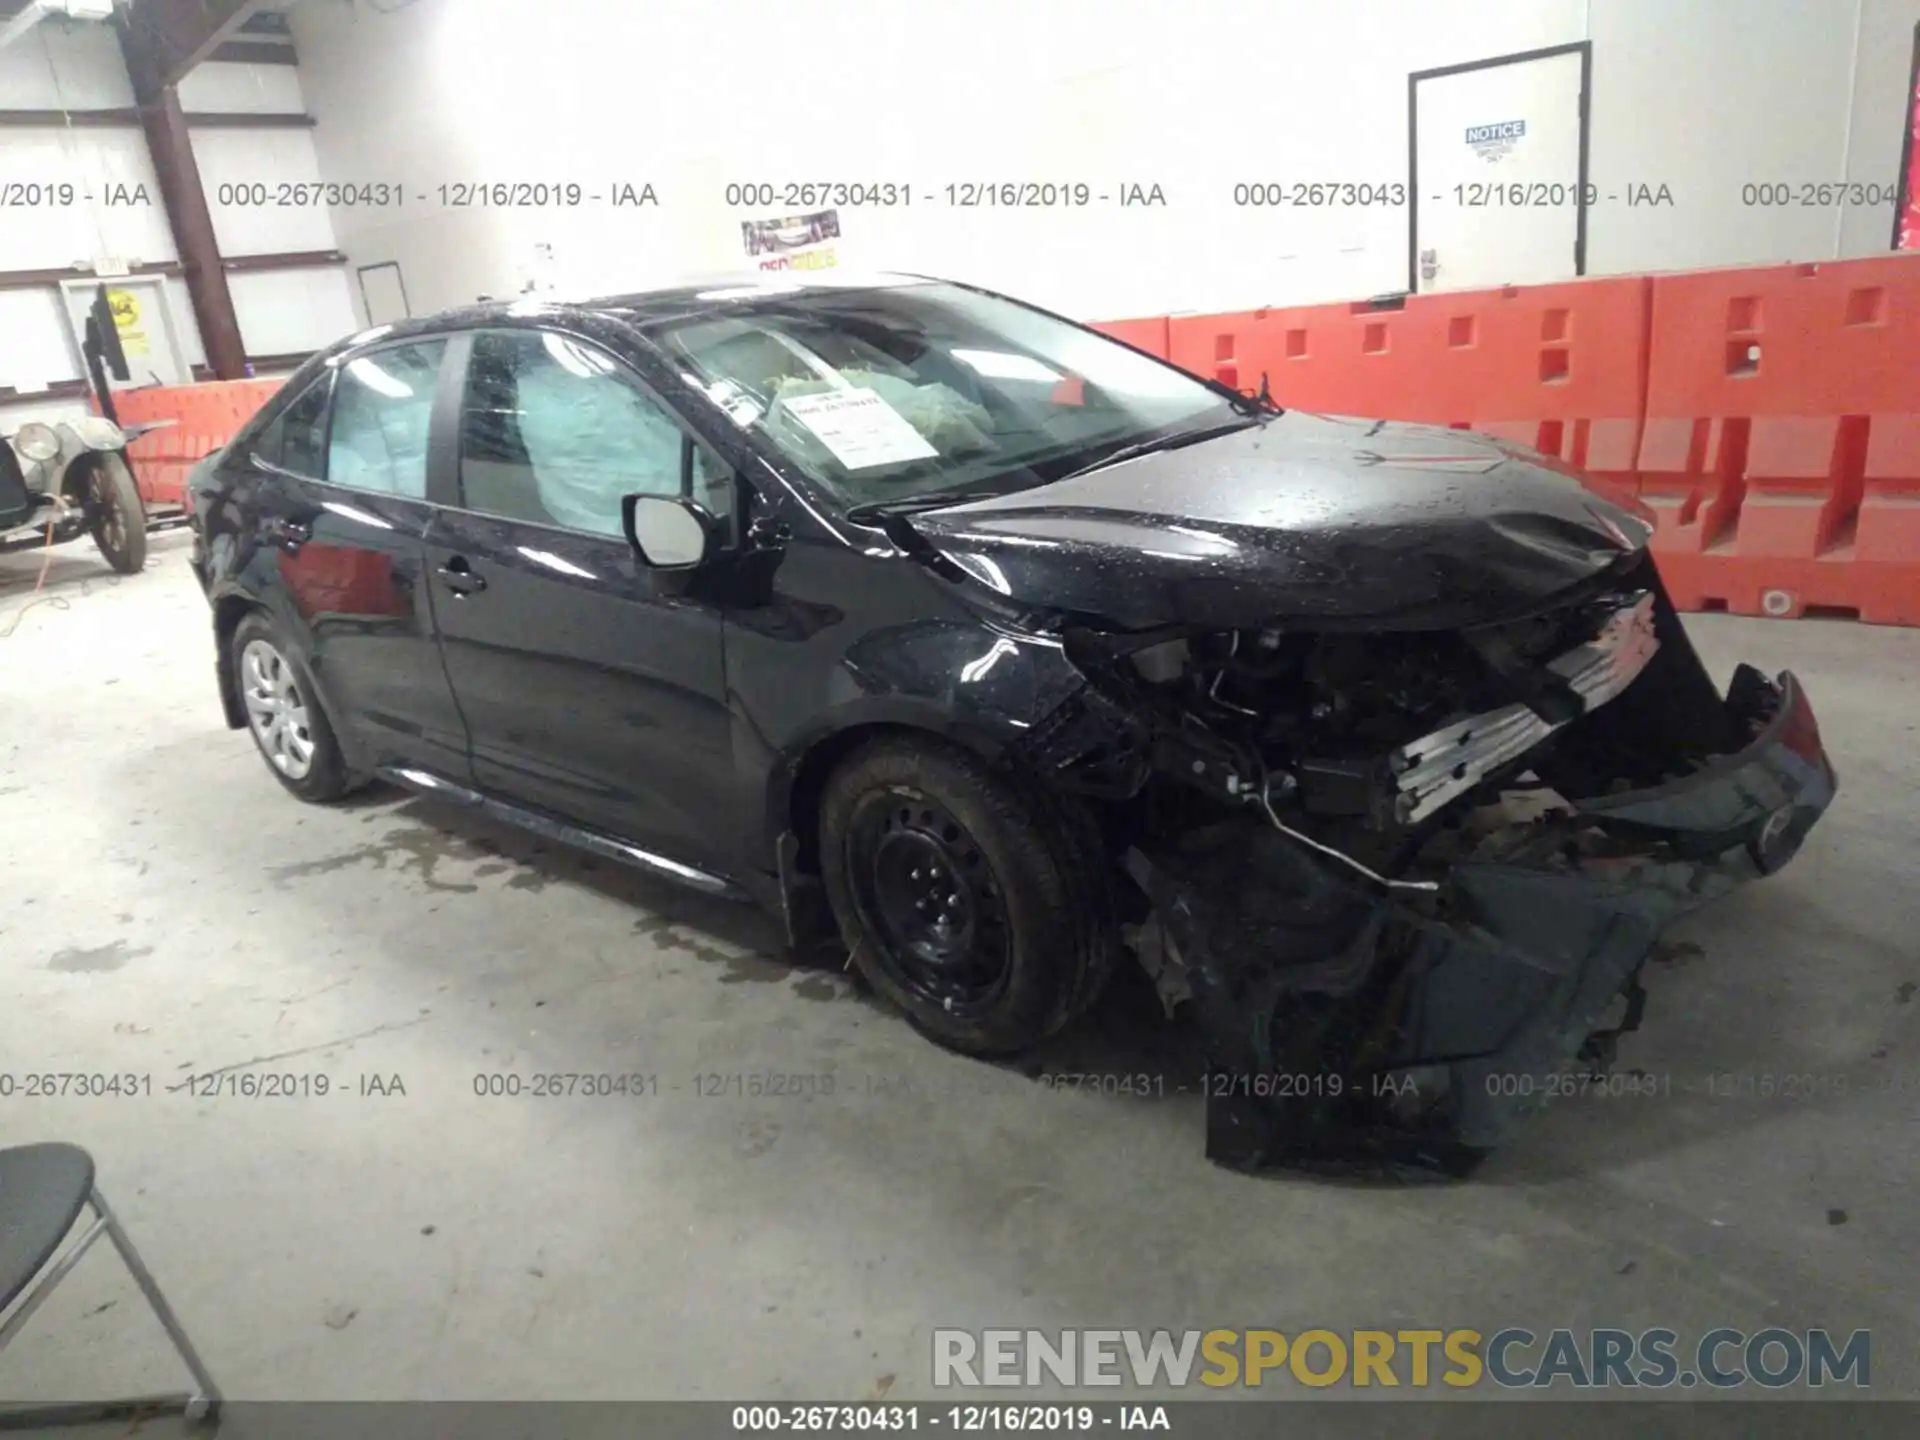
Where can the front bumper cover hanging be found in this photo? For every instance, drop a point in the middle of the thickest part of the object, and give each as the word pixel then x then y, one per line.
pixel 1350 1026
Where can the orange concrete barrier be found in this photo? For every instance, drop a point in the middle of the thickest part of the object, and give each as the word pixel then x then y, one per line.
pixel 1782 443
pixel 1558 367
pixel 1769 416
pixel 206 416
pixel 1149 335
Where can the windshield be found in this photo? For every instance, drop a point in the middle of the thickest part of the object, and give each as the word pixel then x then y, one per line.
pixel 894 392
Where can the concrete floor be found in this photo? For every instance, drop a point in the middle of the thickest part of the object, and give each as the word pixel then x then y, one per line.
pixel 166 909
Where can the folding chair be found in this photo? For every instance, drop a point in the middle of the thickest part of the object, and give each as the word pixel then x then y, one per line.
pixel 43 1189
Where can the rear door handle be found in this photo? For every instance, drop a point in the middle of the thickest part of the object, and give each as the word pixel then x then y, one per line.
pixel 459 577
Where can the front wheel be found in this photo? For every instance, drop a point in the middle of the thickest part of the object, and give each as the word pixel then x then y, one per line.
pixel 979 908
pixel 116 515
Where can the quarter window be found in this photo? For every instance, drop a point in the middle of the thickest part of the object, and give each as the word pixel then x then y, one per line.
pixel 552 432
pixel 296 439
pixel 382 413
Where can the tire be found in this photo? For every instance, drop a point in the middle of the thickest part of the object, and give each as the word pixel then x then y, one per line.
pixel 914 829
pixel 303 754
pixel 116 515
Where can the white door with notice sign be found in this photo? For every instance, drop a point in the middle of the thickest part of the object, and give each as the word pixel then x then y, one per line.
pixel 1497 181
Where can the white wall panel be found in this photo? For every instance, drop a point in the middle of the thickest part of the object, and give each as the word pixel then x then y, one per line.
pixel 246 174
pixel 1720 94
pixel 282 312
pixel 129 217
pixel 1876 124
pixel 35 349
pixel 223 87
pixel 64 65
pixel 111 198
pixel 1097 94
pixel 1703 97
pixel 49 222
pixel 15 413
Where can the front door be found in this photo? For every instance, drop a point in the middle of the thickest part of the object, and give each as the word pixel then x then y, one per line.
pixel 592 686
pixel 340 492
pixel 1500 194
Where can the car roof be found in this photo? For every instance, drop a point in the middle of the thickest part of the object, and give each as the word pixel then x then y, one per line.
pixel 691 296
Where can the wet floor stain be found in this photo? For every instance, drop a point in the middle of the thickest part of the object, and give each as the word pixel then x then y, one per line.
pixel 750 969
pixel 668 934
pixel 819 987
pixel 757 1136
pixel 415 848
pixel 1904 994
pixel 533 880
pixel 100 960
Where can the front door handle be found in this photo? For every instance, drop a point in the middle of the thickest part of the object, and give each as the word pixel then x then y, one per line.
pixel 460 577
pixel 288 535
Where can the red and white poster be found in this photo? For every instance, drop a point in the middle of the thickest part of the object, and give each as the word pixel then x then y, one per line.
pixel 794 242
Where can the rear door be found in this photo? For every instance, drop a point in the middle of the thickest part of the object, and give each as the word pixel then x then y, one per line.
pixel 592 686
pixel 339 487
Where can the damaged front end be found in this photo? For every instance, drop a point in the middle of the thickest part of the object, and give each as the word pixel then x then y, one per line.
pixel 1405 882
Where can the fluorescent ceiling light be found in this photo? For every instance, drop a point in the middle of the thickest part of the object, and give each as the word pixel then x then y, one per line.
pixel 575 358
pixel 374 378
pixel 1000 365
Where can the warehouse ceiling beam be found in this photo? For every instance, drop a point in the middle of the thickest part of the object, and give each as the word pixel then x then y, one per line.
pixel 164 39
pixel 185 198
pixel 20 24
pixel 161 41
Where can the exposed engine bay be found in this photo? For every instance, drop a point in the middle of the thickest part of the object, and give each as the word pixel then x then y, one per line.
pixel 1405 879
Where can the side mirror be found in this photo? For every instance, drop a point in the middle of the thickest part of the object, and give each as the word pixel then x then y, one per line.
pixel 668 532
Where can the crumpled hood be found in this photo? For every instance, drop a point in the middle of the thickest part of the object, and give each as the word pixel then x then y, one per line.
pixel 1308 518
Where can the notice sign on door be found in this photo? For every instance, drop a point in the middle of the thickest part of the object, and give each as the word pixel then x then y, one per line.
pixel 1493 142
pixel 124 305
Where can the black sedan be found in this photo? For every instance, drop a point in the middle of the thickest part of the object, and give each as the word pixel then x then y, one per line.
pixel 1004 649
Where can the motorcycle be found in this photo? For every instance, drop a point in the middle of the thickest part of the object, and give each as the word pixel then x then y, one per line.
pixel 58 482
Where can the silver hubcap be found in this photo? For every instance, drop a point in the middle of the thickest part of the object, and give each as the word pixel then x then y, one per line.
pixel 276 710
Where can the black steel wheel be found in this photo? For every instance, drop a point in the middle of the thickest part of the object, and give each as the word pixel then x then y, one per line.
pixel 923 890
pixel 972 905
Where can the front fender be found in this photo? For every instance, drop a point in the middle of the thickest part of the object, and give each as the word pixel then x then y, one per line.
pixel 88 432
pixel 81 440
pixel 976 684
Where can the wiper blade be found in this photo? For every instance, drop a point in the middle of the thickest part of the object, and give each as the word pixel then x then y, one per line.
pixel 1165 442
pixel 907 504
pixel 871 510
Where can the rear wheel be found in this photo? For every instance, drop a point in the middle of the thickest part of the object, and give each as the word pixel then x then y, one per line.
pixel 116 515
pixel 284 716
pixel 979 910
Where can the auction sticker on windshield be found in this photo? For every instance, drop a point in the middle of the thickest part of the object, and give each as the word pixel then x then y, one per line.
pixel 860 428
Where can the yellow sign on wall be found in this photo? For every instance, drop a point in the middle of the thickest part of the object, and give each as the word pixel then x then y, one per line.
pixel 125 307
